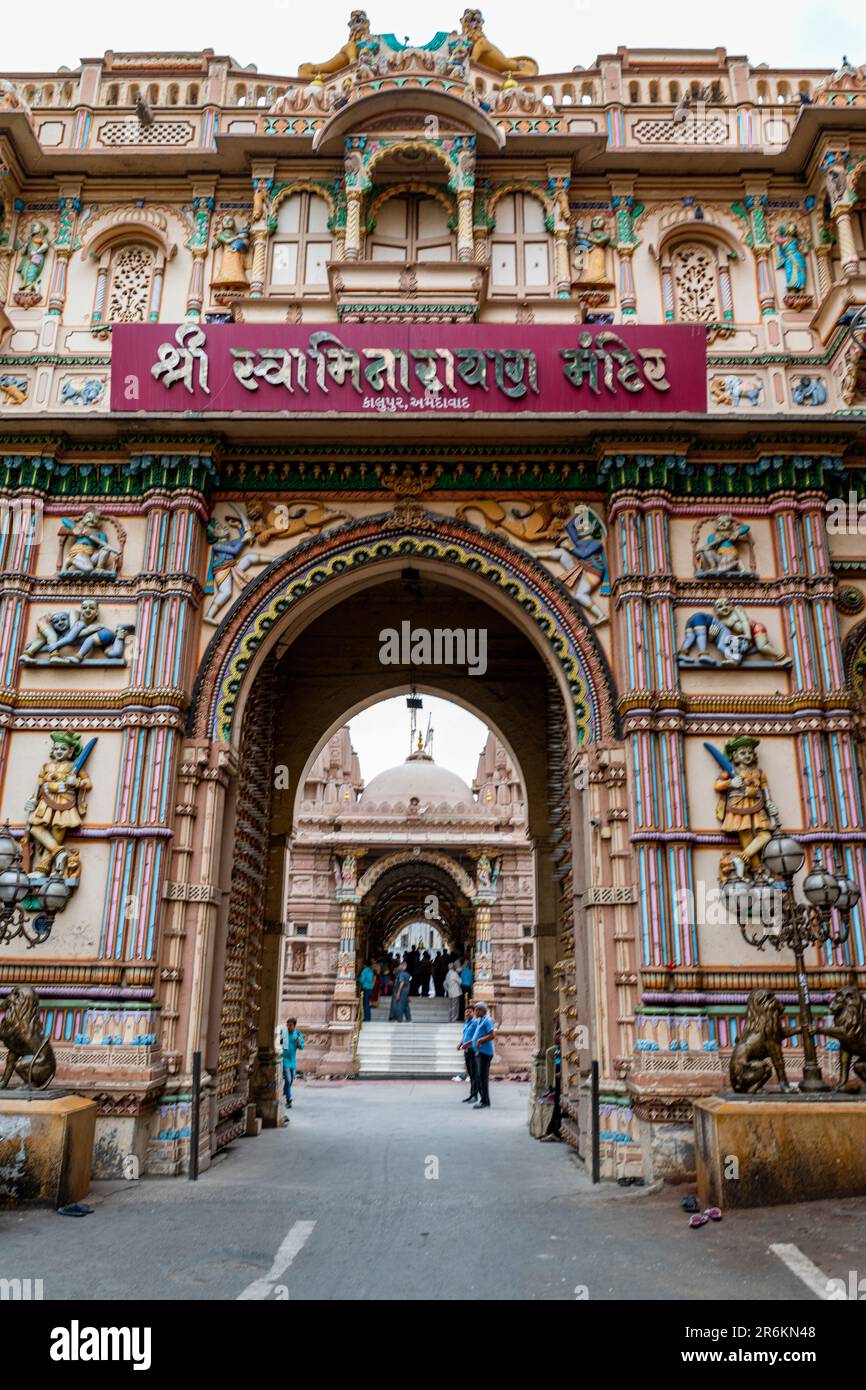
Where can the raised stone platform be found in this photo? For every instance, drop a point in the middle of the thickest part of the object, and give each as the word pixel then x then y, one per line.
pixel 46 1147
pixel 762 1150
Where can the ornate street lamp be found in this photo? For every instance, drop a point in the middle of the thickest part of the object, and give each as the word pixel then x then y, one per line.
pixel 769 912
pixel 44 897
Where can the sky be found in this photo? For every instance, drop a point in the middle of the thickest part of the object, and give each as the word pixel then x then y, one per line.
pixel 277 35
pixel 381 736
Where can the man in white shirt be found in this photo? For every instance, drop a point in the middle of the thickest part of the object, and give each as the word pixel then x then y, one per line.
pixel 454 992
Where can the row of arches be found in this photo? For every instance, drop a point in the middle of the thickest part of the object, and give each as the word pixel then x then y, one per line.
pixel 652 91
pixel 413 223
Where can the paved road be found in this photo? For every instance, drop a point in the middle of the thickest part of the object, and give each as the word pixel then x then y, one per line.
pixel 395 1190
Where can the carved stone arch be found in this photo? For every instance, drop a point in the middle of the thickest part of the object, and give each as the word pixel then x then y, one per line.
pixel 389 147
pixel 429 190
pixel 854 657
pixel 668 218
pixel 538 604
pixel 302 186
pixel 128 224
pixel 711 233
pixel 423 856
pixel 522 186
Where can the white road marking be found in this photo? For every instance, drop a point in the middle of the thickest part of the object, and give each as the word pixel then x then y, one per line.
pixel 292 1245
pixel 814 1278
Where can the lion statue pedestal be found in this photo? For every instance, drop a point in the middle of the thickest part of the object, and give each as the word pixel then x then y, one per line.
pixel 46 1136
pixel 761 1150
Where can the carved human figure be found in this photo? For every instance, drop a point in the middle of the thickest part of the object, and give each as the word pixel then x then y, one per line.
pixel 720 552
pixel 753 633
pixel 790 257
pixel 57 632
pixel 59 803
pixel 87 547
pixel 580 551
pixel 733 635
pixel 233 244
pixel 745 807
pixel 229 559
pixel 34 254
pixel 590 258
pixel 484 873
pixel 459 51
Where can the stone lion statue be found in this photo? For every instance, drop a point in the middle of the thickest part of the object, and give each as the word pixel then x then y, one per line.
pixel 849 1014
pixel 758 1051
pixel 28 1052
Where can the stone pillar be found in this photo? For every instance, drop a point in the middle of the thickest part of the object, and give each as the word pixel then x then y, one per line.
pixel 260 263
pixel 725 289
pixel 64 244
pixel 824 269
pixel 841 215
pixel 98 311
pixel 766 282
pixel 482 989
pixel 562 262
pixel 668 304
pixel 198 242
pixel 465 239
pixel 627 291
pixel 353 224
pixel 156 287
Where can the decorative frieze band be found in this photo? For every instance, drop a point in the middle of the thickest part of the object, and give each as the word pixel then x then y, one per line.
pixel 613 895
pixel 191 893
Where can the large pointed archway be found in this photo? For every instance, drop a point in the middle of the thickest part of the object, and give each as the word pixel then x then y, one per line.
pixel 298 647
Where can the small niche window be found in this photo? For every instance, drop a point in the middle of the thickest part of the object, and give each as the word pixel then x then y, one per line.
pixel 302 245
pixel 411 227
pixel 520 247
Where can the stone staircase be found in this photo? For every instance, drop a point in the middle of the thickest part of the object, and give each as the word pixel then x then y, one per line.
pixel 425 1047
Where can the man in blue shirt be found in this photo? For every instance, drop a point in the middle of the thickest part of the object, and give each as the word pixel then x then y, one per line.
pixel 291 1038
pixel 465 1046
pixel 367 981
pixel 482 1045
pixel 466 978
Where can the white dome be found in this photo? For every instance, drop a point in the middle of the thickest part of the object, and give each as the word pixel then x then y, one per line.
pixel 418 776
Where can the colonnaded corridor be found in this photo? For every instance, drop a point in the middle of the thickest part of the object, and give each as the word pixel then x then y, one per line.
pixel 396 1190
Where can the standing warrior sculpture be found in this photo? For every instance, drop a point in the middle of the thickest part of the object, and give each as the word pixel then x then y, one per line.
pixel 59 803
pixel 744 807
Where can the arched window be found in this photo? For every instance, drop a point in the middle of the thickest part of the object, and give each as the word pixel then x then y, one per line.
pixel 301 246
pixel 411 227
pixel 128 276
pixel 634 91
pixel 173 96
pixel 654 91
pixel 694 270
pixel 192 94
pixel 521 261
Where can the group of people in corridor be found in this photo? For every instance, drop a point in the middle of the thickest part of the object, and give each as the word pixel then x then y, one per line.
pixel 401 978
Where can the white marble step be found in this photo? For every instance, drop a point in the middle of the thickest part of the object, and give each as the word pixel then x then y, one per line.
pixel 395 1049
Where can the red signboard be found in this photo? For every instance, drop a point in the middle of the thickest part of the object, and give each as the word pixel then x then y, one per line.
pixel 417 369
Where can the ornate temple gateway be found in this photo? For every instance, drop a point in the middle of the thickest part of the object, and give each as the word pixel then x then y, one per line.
pixel 421 340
